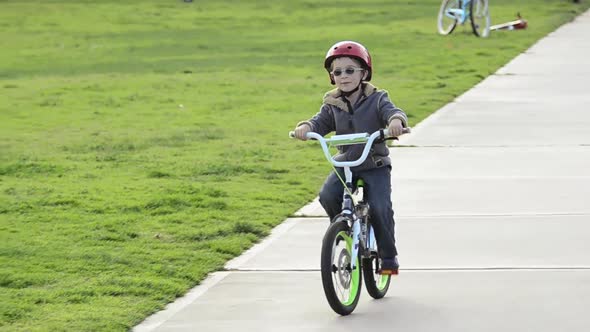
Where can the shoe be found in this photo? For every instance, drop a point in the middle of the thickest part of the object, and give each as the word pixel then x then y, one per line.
pixel 389 266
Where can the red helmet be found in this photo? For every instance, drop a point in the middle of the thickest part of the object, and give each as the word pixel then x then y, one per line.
pixel 349 49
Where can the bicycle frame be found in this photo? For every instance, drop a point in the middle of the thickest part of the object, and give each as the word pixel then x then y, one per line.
pixel 461 15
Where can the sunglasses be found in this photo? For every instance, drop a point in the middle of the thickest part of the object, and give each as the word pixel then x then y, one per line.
pixel 348 71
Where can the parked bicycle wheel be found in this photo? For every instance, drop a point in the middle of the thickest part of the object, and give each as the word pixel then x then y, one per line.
pixel 448 16
pixel 342 283
pixel 480 17
pixel 376 284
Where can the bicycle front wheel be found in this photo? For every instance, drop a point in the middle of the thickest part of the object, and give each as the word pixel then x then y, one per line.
pixel 480 17
pixel 448 16
pixel 341 282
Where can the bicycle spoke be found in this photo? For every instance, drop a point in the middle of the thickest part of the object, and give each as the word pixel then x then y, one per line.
pixel 341 275
pixel 341 292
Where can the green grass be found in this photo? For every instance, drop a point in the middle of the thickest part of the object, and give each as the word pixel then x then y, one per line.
pixel 144 143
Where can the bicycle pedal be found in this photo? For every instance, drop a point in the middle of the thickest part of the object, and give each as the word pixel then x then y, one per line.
pixel 389 272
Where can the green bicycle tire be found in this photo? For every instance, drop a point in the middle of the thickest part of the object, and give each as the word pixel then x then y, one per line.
pixel 337 243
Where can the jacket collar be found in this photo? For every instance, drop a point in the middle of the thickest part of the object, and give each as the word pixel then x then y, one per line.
pixel 334 97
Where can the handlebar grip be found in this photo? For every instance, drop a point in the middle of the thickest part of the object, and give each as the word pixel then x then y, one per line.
pixel 406 130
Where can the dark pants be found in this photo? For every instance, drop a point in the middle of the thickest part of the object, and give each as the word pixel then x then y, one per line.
pixel 377 191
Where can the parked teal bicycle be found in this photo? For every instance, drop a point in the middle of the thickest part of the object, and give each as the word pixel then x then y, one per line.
pixel 453 12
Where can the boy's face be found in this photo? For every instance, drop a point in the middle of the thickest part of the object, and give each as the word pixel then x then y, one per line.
pixel 347 73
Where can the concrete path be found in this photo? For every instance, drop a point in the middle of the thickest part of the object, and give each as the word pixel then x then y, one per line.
pixel 492 198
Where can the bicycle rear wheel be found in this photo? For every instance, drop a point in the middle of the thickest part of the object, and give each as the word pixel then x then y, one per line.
pixel 447 16
pixel 341 282
pixel 480 17
pixel 377 284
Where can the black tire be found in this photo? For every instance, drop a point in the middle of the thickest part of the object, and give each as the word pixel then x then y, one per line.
pixel 377 284
pixel 479 15
pixel 342 285
pixel 445 24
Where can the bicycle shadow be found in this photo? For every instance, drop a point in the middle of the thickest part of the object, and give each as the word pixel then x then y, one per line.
pixel 391 313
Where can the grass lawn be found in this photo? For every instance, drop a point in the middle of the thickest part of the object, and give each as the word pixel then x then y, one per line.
pixel 144 143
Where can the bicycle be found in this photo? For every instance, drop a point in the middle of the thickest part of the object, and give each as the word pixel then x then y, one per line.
pixel 349 243
pixel 453 12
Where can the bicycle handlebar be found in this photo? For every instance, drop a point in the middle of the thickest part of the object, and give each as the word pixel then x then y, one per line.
pixel 349 139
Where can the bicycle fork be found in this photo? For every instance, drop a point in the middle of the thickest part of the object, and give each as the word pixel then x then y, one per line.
pixel 363 237
pixel 356 241
pixel 358 214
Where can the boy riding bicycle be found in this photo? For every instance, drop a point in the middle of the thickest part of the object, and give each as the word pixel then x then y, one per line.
pixel 356 106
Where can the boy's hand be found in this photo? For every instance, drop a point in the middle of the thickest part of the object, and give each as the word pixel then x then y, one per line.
pixel 396 128
pixel 301 132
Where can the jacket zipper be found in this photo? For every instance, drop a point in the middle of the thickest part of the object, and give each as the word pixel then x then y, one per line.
pixel 350 113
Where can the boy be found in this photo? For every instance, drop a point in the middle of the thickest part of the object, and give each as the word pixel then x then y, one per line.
pixel 356 106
